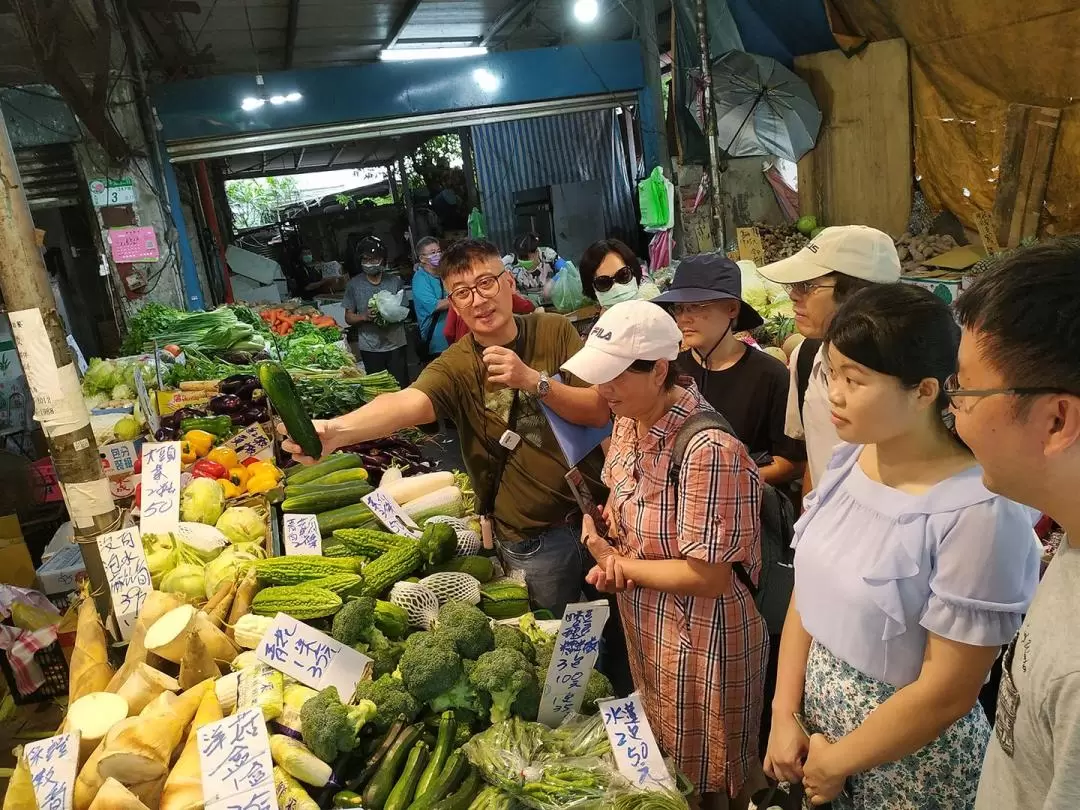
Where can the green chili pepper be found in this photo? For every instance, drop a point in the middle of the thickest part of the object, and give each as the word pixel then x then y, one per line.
pixel 220 426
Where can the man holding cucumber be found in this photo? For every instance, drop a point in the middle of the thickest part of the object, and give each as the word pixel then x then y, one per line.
pixel 491 384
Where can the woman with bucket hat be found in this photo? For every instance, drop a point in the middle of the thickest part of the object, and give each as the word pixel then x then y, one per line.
pixel 682 541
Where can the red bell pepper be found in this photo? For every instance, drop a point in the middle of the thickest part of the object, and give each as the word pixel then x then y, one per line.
pixel 205 468
pixel 247 462
pixel 138 464
pixel 138 496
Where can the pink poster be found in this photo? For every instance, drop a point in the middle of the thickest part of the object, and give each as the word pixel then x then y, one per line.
pixel 133 245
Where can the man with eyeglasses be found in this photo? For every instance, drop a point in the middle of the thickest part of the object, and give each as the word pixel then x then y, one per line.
pixel 491 384
pixel 1016 400
pixel 837 263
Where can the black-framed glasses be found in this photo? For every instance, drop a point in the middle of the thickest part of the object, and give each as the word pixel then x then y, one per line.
pixel 953 391
pixel 485 287
pixel 805 288
pixel 624 275
pixel 691 310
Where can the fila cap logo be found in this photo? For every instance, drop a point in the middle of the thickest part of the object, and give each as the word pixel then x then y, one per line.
pixel 601 334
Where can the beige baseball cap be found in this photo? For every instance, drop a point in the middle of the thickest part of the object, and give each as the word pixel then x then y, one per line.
pixel 854 250
pixel 632 330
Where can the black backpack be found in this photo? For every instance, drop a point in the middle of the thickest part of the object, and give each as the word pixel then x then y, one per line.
pixel 772 594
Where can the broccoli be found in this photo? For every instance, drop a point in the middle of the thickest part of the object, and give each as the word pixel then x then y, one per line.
pixel 384 654
pixel 466 628
pixel 391 699
pixel 330 728
pixel 514 639
pixel 597 688
pixel 504 674
pixel 438 543
pixel 543 642
pixel 354 622
pixel 434 674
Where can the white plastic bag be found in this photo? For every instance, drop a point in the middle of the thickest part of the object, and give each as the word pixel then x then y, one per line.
pixel 387 307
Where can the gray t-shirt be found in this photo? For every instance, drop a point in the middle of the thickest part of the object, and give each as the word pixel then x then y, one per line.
pixel 1033 760
pixel 370 337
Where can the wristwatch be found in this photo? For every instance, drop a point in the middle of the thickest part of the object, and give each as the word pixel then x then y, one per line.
pixel 543 386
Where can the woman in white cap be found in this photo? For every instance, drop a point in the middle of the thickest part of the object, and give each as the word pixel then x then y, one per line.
pixel 683 538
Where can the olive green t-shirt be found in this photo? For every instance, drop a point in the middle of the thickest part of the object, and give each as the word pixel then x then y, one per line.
pixel 533 493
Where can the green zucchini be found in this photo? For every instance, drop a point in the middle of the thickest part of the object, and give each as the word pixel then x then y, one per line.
pixel 354 516
pixel 325 498
pixel 346 798
pixel 402 794
pixel 440 753
pixel 382 783
pixel 341 476
pixel 445 782
pixel 307 473
pixel 377 756
pixel 461 798
pixel 279 388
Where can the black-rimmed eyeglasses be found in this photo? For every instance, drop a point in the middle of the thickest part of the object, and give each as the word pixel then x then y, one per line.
pixel 485 286
pixel 954 391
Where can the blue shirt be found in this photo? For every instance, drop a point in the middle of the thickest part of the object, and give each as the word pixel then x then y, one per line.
pixel 427 291
pixel 877 568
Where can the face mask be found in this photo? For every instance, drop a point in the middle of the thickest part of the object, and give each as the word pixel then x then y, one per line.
pixel 306 258
pixel 617 294
pixel 372 269
pixel 434 259
pixel 528 264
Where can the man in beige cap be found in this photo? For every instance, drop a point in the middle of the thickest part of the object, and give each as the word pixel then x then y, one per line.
pixel 837 263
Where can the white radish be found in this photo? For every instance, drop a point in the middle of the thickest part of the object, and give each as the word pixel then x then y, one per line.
pixel 415 486
pixel 143 685
pixel 167 636
pixel 93 716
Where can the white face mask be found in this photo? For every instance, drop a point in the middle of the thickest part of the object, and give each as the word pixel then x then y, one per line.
pixel 617 294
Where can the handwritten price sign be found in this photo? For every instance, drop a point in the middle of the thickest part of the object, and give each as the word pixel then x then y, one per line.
pixel 124 560
pixel 160 510
pixel 234 755
pixel 576 649
pixel 252 442
pixel 53 763
pixel 311 657
pixel 302 535
pixel 637 755
pixel 389 513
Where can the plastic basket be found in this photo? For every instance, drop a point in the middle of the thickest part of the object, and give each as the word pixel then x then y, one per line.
pixel 54 667
pixel 44 483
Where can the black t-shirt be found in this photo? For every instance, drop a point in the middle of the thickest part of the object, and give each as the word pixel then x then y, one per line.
pixel 752 395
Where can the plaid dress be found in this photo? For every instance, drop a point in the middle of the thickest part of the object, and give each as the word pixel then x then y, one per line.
pixel 699 663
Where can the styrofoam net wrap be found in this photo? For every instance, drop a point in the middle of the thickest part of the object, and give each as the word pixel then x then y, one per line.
pixel 419 601
pixel 468 541
pixel 453 585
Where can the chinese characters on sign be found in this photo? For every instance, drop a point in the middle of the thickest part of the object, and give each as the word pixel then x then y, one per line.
pixel 311 657
pixel 302 535
pixel 118 460
pixel 637 755
pixel 160 511
pixel 250 442
pixel 576 648
pixel 129 579
pixel 234 755
pixel 389 514
pixel 133 245
pixel 53 763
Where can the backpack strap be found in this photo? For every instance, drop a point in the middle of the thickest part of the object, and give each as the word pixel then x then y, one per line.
pixel 804 365
pixel 692 427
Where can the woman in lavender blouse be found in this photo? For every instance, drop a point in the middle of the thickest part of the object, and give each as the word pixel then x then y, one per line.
pixel 909 577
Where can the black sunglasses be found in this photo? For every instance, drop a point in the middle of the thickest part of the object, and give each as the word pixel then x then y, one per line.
pixel 624 275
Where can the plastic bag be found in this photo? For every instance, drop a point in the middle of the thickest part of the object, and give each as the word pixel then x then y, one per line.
pixel 655 196
pixel 477 225
pixel 567 294
pixel 386 307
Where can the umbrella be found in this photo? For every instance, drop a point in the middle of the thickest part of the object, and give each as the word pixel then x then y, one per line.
pixel 762 108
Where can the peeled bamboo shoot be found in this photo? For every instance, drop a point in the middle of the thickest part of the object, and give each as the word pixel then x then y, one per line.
pixel 20 792
pixel 90 670
pixel 144 684
pixel 197 664
pixel 167 636
pixel 183 787
pixel 93 716
pixel 114 796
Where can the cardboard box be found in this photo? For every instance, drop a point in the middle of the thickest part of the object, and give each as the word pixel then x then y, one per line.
pixel 16 567
pixel 945 284
pixel 170 401
pixel 61 575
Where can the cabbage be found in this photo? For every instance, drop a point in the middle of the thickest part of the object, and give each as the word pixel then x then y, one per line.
pixel 161 556
pixel 203 541
pixel 224 568
pixel 187 580
pixel 242 524
pixel 202 501
pixel 101 376
pixel 94 401
pixel 123 391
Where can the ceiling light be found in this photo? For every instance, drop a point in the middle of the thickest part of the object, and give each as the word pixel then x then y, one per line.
pixel 251 103
pixel 586 10
pixel 487 81
pixel 277 100
pixel 411 54
pixel 293 97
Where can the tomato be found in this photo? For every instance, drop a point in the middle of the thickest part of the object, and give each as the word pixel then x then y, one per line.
pixel 173 349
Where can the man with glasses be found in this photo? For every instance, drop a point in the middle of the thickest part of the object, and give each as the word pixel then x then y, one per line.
pixel 491 384
pixel 1016 401
pixel 837 263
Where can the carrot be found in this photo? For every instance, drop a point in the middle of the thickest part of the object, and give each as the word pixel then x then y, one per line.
pixel 90 670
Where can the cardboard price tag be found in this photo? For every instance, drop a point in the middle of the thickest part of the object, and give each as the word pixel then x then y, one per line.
pixel 389 513
pixel 750 246
pixel 637 755
pixel 234 758
pixel 313 658
pixel 160 511
pixel 53 763
pixel 252 441
pixel 576 649
pixel 124 561
pixel 302 535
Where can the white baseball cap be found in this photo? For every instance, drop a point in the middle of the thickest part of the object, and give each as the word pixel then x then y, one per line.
pixel 632 330
pixel 853 250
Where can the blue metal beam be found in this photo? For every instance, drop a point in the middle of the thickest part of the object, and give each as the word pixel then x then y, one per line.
pixel 210 108
pixel 189 276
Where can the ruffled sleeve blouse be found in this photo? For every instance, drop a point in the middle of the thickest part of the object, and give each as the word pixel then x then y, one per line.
pixel 877 568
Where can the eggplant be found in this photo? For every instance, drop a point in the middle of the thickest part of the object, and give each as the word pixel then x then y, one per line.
pixel 263 355
pixel 226 404
pixel 167 434
pixel 171 421
pixel 233 384
pixel 247 416
pixel 189 413
pixel 247 391
pixel 237 358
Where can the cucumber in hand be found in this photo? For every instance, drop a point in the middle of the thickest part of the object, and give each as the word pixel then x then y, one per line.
pixel 278 385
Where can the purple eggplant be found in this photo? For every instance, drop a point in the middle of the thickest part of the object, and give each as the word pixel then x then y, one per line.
pixel 235 383
pixel 189 413
pixel 171 421
pixel 167 434
pixel 248 416
pixel 247 391
pixel 226 404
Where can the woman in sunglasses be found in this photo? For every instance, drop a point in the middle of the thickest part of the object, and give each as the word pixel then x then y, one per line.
pixel 909 577
pixel 610 272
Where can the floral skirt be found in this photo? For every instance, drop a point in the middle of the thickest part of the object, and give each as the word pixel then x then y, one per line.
pixel 942 775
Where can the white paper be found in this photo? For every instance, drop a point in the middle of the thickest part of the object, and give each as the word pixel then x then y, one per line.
pixel 313 658
pixel 125 566
pixel 302 535
pixel 576 648
pixel 389 513
pixel 250 442
pixel 262 798
pixel 118 459
pixel 160 510
pixel 637 755
pixel 234 758
pixel 39 363
pixel 53 763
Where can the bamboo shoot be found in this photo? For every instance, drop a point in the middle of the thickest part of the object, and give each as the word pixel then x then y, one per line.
pixel 167 636
pixel 90 670
pixel 93 716
pixel 114 796
pixel 145 684
pixel 183 787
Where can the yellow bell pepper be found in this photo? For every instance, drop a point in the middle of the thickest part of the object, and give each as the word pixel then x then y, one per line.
pixel 225 456
pixel 260 468
pixel 201 442
pixel 258 484
pixel 187 453
pixel 230 489
pixel 239 476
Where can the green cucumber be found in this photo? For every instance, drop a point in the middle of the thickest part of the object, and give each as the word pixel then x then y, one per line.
pixel 354 516
pixel 378 754
pixel 346 798
pixel 382 783
pixel 402 794
pixel 325 498
pixel 445 783
pixel 353 475
pixel 279 388
pixel 443 746
pixel 308 473
pixel 461 798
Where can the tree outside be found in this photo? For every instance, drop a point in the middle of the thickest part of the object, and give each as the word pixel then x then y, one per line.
pixel 256 202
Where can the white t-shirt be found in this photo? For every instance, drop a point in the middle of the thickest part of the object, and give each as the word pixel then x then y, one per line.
pixel 814 425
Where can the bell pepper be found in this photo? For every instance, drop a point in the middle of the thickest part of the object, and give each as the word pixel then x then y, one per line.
pixel 265 468
pixel 138 496
pixel 258 484
pixel 239 476
pixel 230 489
pixel 201 442
pixel 225 456
pixel 219 426
pixel 187 453
pixel 205 468
pixel 137 469
pixel 247 462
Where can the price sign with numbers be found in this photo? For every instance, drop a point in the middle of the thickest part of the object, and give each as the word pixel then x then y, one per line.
pixel 160 510
pixel 252 442
pixel 234 756
pixel 129 578
pixel 302 535
pixel 576 648
pixel 389 514
pixel 53 763
pixel 105 192
pixel 750 246
pixel 311 657
pixel 637 755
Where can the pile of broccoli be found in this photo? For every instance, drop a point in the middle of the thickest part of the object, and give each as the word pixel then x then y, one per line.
pixel 330 728
pixel 355 626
